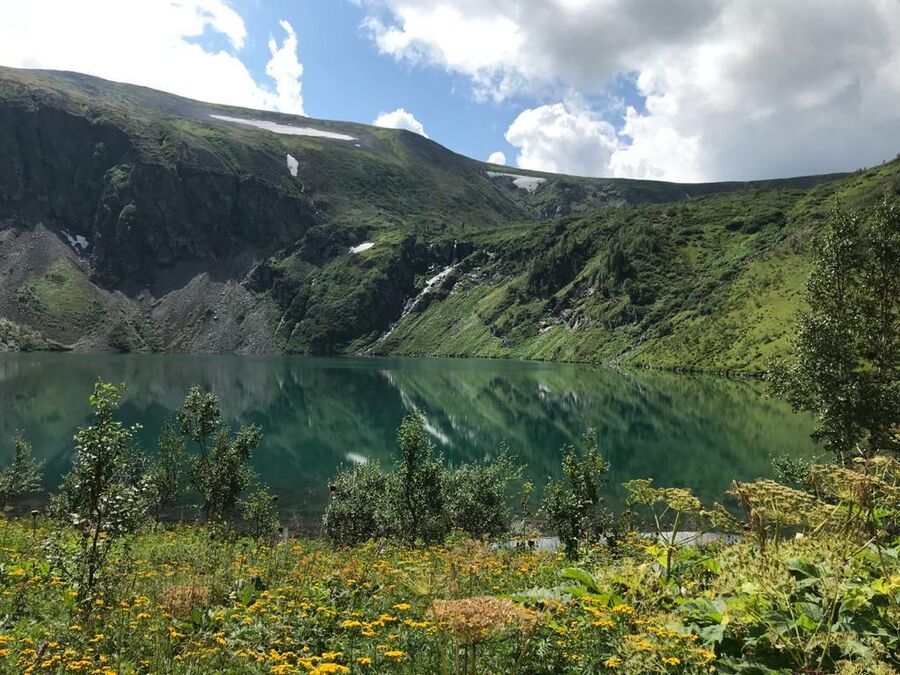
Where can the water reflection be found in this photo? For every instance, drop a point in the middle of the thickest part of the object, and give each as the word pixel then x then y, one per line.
pixel 316 414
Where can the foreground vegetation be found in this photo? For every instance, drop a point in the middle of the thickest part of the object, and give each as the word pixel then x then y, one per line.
pixel 98 585
pixel 187 599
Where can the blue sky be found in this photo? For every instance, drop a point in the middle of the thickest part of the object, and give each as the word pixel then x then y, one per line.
pixel 346 78
pixel 699 90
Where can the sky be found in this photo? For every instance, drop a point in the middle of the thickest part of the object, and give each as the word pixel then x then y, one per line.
pixel 697 90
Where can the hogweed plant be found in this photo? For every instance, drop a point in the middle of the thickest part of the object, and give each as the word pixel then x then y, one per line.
pixel 677 504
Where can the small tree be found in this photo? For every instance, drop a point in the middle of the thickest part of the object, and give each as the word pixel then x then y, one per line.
pixel 260 513
pixel 476 496
pixel 358 507
pixel 417 495
pixel 221 471
pixel 102 497
pixel 199 417
pixel 574 508
pixel 847 346
pixel 166 473
pixel 23 475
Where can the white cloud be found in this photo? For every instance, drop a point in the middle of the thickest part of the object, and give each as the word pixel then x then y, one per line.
pixel 563 138
pixel 732 88
pixel 285 69
pixel 148 42
pixel 497 158
pixel 400 119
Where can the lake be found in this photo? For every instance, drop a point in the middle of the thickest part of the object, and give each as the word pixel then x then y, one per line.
pixel 320 413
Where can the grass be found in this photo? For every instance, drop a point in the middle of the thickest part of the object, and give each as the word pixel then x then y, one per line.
pixel 178 600
pixel 62 301
pixel 583 269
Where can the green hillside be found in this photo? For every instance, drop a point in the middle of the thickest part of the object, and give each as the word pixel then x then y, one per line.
pixel 131 219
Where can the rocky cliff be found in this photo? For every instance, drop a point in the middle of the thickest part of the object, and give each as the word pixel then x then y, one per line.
pixel 131 219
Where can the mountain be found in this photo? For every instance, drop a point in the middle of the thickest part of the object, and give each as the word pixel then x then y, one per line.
pixel 135 220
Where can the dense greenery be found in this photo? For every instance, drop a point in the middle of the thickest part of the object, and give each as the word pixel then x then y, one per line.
pixel 813 587
pixel 421 499
pixel 847 364
pixel 22 475
pixel 574 507
pixel 217 247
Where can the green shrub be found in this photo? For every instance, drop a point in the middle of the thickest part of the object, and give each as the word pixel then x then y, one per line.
pixel 221 472
pixel 357 509
pixel 260 513
pixel 416 496
pixel 476 496
pixel 23 475
pixel 103 496
pixel 422 499
pixel 166 473
pixel 574 508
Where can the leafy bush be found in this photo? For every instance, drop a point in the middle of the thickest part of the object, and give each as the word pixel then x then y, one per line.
pixel 103 496
pixel 574 508
pixel 166 474
pixel 476 496
pixel 422 499
pixel 357 508
pixel 416 496
pixel 221 471
pixel 260 513
pixel 23 475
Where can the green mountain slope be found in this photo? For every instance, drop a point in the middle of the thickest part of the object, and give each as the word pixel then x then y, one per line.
pixel 131 219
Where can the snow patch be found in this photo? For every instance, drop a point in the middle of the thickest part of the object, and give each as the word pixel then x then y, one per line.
pixel 287 129
pixel 359 248
pixel 527 183
pixel 292 164
pixel 78 242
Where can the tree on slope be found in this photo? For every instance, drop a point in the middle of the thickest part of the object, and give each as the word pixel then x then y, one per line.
pixel 847 347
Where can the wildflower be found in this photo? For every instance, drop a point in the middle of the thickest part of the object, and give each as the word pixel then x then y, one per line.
pixel 395 654
pixel 364 661
pixel 612 662
pixel 672 661
pixel 402 606
pixel 706 654
pixel 623 609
